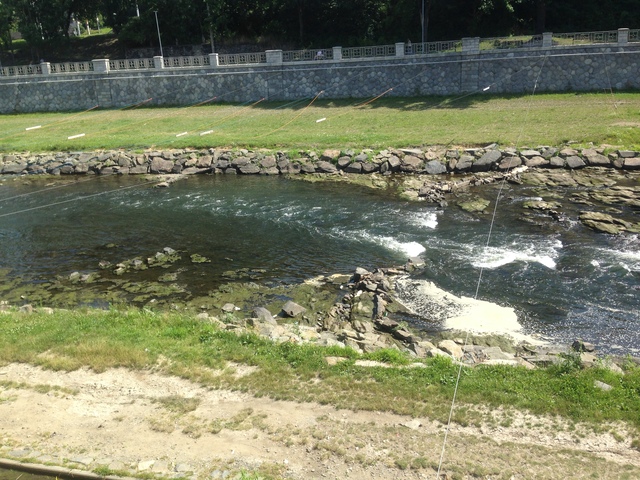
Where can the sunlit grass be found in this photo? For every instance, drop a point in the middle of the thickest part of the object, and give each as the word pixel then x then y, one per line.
pixel 182 345
pixel 528 120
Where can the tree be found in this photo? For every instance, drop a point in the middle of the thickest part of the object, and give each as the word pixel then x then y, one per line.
pixel 41 21
pixel 7 23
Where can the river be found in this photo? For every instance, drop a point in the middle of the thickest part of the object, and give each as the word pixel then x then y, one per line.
pixel 563 280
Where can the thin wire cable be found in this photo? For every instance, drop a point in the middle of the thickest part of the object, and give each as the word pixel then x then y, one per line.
pixel 294 118
pixel 58 122
pixel 489 235
pixel 76 182
pixel 606 69
pixel 61 202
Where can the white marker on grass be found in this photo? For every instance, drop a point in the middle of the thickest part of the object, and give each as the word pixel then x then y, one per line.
pixel 206 133
pixel 33 128
pixel 75 136
pixel 321 119
pixel 182 134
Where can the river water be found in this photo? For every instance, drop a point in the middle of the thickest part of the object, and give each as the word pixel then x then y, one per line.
pixel 564 281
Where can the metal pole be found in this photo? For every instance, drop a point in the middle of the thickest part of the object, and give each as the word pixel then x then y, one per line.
pixel 213 50
pixel 422 21
pixel 158 27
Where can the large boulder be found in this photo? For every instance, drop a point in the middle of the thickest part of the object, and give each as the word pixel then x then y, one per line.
pixel 263 315
pixel 464 163
pixel 632 163
pixel 160 165
pixel 14 168
pixel 508 163
pixel 537 161
pixel 434 167
pixel 325 167
pixel 486 161
pixel 452 348
pixel 292 309
pixel 574 162
pixel 249 169
pixel 411 164
pixel 355 167
pixel 598 160
pixel 604 222
pixel 268 162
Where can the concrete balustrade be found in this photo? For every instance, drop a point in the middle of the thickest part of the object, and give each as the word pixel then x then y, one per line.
pixel 449 68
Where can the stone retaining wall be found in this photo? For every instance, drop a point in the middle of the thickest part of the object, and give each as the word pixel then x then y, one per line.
pixel 432 161
pixel 558 69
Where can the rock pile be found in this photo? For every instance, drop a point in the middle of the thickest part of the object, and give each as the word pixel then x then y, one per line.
pixel 430 161
pixel 360 322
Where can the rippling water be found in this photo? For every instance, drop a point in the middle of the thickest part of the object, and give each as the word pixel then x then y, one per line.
pixel 564 281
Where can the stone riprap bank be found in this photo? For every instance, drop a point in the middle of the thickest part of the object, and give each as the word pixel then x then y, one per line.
pixel 553 69
pixel 432 160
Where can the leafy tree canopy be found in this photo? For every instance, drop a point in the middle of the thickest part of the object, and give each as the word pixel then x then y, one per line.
pixel 311 23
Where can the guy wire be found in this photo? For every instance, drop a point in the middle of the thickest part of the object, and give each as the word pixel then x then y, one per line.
pixel 493 218
pixel 61 202
pixel 55 187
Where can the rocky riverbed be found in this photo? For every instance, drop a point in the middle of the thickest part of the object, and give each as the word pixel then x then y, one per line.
pixel 115 421
pixel 594 186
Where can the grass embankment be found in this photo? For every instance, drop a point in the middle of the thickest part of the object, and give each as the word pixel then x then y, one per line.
pixel 138 339
pixel 528 120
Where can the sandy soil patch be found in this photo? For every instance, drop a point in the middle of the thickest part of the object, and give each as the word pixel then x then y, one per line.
pixel 121 420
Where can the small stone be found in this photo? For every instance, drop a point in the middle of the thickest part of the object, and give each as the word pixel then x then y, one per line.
pixel 602 386
pixel 582 346
pixel 413 424
pixel 228 307
pixel 145 465
pixel 183 467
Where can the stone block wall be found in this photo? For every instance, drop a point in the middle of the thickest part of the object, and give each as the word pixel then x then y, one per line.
pixel 557 69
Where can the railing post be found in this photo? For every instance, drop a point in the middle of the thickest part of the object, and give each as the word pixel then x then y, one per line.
pixel 337 53
pixel 623 36
pixel 274 57
pixel 158 62
pixel 547 40
pixel 46 68
pixel 214 61
pixel 400 49
pixel 471 45
pixel 101 65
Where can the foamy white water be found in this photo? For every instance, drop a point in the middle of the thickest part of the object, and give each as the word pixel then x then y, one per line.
pixel 411 249
pixel 426 219
pixel 432 303
pixel 494 257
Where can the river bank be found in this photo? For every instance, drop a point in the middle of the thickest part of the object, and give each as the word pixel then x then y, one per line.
pixel 434 160
pixel 604 199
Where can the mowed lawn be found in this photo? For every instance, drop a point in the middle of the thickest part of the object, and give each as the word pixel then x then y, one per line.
pixel 605 118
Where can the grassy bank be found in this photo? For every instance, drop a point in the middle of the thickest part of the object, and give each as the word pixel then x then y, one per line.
pixel 529 120
pixel 181 345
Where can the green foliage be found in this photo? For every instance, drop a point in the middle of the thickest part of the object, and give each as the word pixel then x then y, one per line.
pixel 190 348
pixel 312 24
pixel 389 355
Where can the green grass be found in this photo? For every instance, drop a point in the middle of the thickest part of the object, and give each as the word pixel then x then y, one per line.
pixel 192 349
pixel 527 120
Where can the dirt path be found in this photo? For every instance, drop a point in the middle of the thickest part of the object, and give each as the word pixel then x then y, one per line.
pixel 132 422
